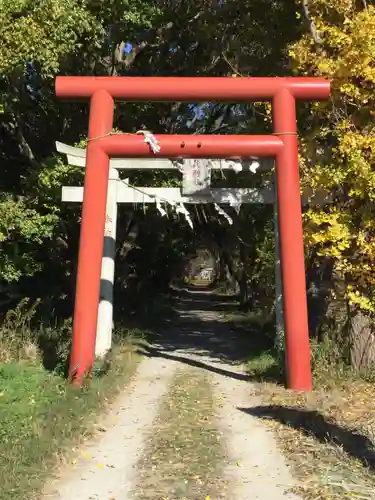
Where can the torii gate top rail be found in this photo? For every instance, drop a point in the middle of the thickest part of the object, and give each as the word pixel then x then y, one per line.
pixel 193 89
pixel 282 144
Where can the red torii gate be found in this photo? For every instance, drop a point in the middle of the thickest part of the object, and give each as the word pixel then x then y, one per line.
pixel 282 144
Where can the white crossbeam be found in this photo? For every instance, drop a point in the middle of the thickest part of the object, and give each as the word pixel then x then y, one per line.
pixel 127 194
pixel 228 196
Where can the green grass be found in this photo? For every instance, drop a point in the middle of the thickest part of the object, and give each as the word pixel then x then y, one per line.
pixel 41 417
pixel 255 330
pixel 263 365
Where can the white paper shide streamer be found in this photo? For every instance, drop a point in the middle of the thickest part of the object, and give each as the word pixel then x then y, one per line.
pixel 224 214
pixel 254 166
pixel 234 165
pixel 150 139
pixel 160 209
pixel 180 208
pixel 237 167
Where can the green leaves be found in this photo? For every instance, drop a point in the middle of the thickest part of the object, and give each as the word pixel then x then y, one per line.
pixel 22 229
pixel 43 32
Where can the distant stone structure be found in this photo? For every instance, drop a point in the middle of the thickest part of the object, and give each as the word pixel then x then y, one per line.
pixel 206 274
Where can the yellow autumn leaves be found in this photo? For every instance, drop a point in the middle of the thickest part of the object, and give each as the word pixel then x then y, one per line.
pixel 343 133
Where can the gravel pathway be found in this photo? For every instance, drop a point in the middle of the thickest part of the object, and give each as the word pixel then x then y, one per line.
pixel 254 468
pixel 106 469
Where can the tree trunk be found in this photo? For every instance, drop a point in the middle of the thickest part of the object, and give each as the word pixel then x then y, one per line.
pixel 127 245
pixel 129 241
pixel 231 274
pixel 362 341
pixel 320 282
pixel 245 299
pixel 219 269
pixel 244 292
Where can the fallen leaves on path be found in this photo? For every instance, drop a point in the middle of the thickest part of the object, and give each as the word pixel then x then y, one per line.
pixel 329 437
pixel 184 456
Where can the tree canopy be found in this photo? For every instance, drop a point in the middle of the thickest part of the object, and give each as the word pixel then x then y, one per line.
pixel 43 38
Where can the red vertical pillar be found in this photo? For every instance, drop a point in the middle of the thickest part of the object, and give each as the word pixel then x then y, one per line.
pixel 298 365
pixel 91 238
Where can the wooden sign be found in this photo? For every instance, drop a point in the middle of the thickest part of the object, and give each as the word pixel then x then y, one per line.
pixel 196 177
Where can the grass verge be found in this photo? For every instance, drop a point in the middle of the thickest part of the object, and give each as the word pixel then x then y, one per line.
pixel 41 417
pixel 328 436
pixel 183 457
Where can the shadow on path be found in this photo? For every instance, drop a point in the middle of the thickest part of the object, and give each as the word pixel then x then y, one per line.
pixel 153 352
pixel 198 326
pixel 314 424
pixel 198 335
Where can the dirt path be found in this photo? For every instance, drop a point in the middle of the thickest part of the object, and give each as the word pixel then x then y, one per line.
pixel 105 469
pixel 181 431
pixel 255 469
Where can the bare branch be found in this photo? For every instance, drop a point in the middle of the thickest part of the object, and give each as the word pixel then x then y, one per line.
pixel 24 146
pixel 14 128
pixel 126 60
pixel 129 241
pixel 312 26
